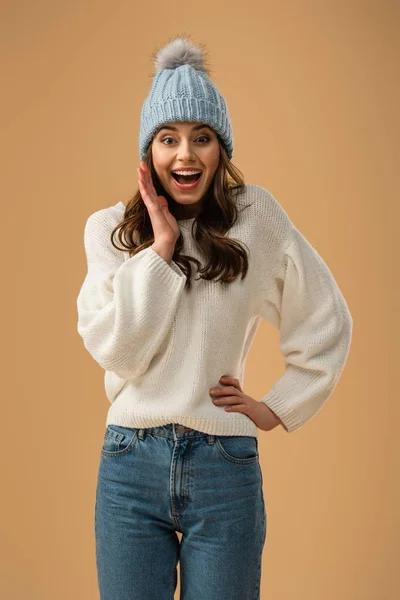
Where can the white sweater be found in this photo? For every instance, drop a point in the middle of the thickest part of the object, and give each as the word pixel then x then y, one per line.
pixel 163 347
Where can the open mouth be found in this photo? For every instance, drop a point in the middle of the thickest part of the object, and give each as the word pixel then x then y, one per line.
pixel 186 182
pixel 186 178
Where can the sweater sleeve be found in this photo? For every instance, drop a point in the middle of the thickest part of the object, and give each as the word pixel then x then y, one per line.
pixel 125 307
pixel 315 326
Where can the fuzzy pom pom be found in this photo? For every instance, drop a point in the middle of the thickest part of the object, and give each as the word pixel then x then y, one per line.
pixel 177 52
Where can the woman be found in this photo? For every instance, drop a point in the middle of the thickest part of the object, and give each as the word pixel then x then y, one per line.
pixel 180 450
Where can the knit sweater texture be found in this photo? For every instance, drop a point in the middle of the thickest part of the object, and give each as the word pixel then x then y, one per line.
pixel 163 347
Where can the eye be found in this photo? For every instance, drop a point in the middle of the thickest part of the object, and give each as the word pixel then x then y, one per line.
pixel 205 137
pixel 170 138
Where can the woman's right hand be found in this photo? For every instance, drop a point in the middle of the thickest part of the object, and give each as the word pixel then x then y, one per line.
pixel 165 226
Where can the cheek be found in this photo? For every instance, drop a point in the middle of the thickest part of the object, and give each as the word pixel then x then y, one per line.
pixel 162 169
pixel 161 159
pixel 211 158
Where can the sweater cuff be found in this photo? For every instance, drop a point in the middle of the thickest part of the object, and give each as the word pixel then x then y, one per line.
pixel 290 419
pixel 169 274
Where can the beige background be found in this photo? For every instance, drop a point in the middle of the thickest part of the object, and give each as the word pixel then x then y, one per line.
pixel 313 93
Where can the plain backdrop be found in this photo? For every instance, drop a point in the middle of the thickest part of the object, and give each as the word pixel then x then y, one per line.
pixel 313 94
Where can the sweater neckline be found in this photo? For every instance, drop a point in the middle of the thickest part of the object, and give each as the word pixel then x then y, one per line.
pixel 186 220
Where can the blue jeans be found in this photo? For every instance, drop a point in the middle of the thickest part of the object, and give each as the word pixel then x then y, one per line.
pixel 156 481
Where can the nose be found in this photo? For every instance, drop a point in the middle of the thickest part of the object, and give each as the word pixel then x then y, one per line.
pixel 185 153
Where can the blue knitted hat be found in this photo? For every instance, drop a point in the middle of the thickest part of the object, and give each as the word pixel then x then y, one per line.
pixel 183 91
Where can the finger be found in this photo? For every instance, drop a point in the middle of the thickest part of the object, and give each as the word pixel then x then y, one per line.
pixel 143 172
pixel 147 197
pixel 146 175
pixel 227 400
pixel 142 187
pixel 227 380
pixel 149 179
pixel 234 405
pixel 154 208
pixel 142 175
pixel 231 383
pixel 157 206
pixel 220 392
pixel 148 182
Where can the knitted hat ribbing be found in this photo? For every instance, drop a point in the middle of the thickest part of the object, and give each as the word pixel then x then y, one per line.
pixel 183 91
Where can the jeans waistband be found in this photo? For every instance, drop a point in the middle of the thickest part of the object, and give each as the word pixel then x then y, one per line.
pixel 172 430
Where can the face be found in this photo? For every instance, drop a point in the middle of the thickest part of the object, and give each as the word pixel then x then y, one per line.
pixel 185 144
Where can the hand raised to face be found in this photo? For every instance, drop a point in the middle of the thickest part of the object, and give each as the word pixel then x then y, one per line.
pixel 165 226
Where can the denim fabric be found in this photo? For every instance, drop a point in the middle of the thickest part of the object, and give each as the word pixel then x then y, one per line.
pixel 156 481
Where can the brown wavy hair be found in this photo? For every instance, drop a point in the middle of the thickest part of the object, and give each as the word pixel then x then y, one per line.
pixel 225 257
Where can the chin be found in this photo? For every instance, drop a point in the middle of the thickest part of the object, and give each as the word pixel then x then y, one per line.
pixel 182 197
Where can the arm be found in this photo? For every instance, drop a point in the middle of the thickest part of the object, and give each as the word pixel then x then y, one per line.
pixel 125 308
pixel 315 326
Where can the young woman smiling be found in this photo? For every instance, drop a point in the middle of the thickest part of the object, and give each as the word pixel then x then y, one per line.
pixel 180 449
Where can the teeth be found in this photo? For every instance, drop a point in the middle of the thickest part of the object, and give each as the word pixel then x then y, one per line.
pixel 186 172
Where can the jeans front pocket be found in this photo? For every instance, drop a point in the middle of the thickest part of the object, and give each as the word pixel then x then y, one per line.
pixel 241 449
pixel 118 440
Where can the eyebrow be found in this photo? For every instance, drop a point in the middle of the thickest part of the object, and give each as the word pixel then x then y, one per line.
pixel 195 128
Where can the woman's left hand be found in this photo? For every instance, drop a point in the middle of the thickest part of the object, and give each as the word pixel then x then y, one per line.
pixel 232 396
